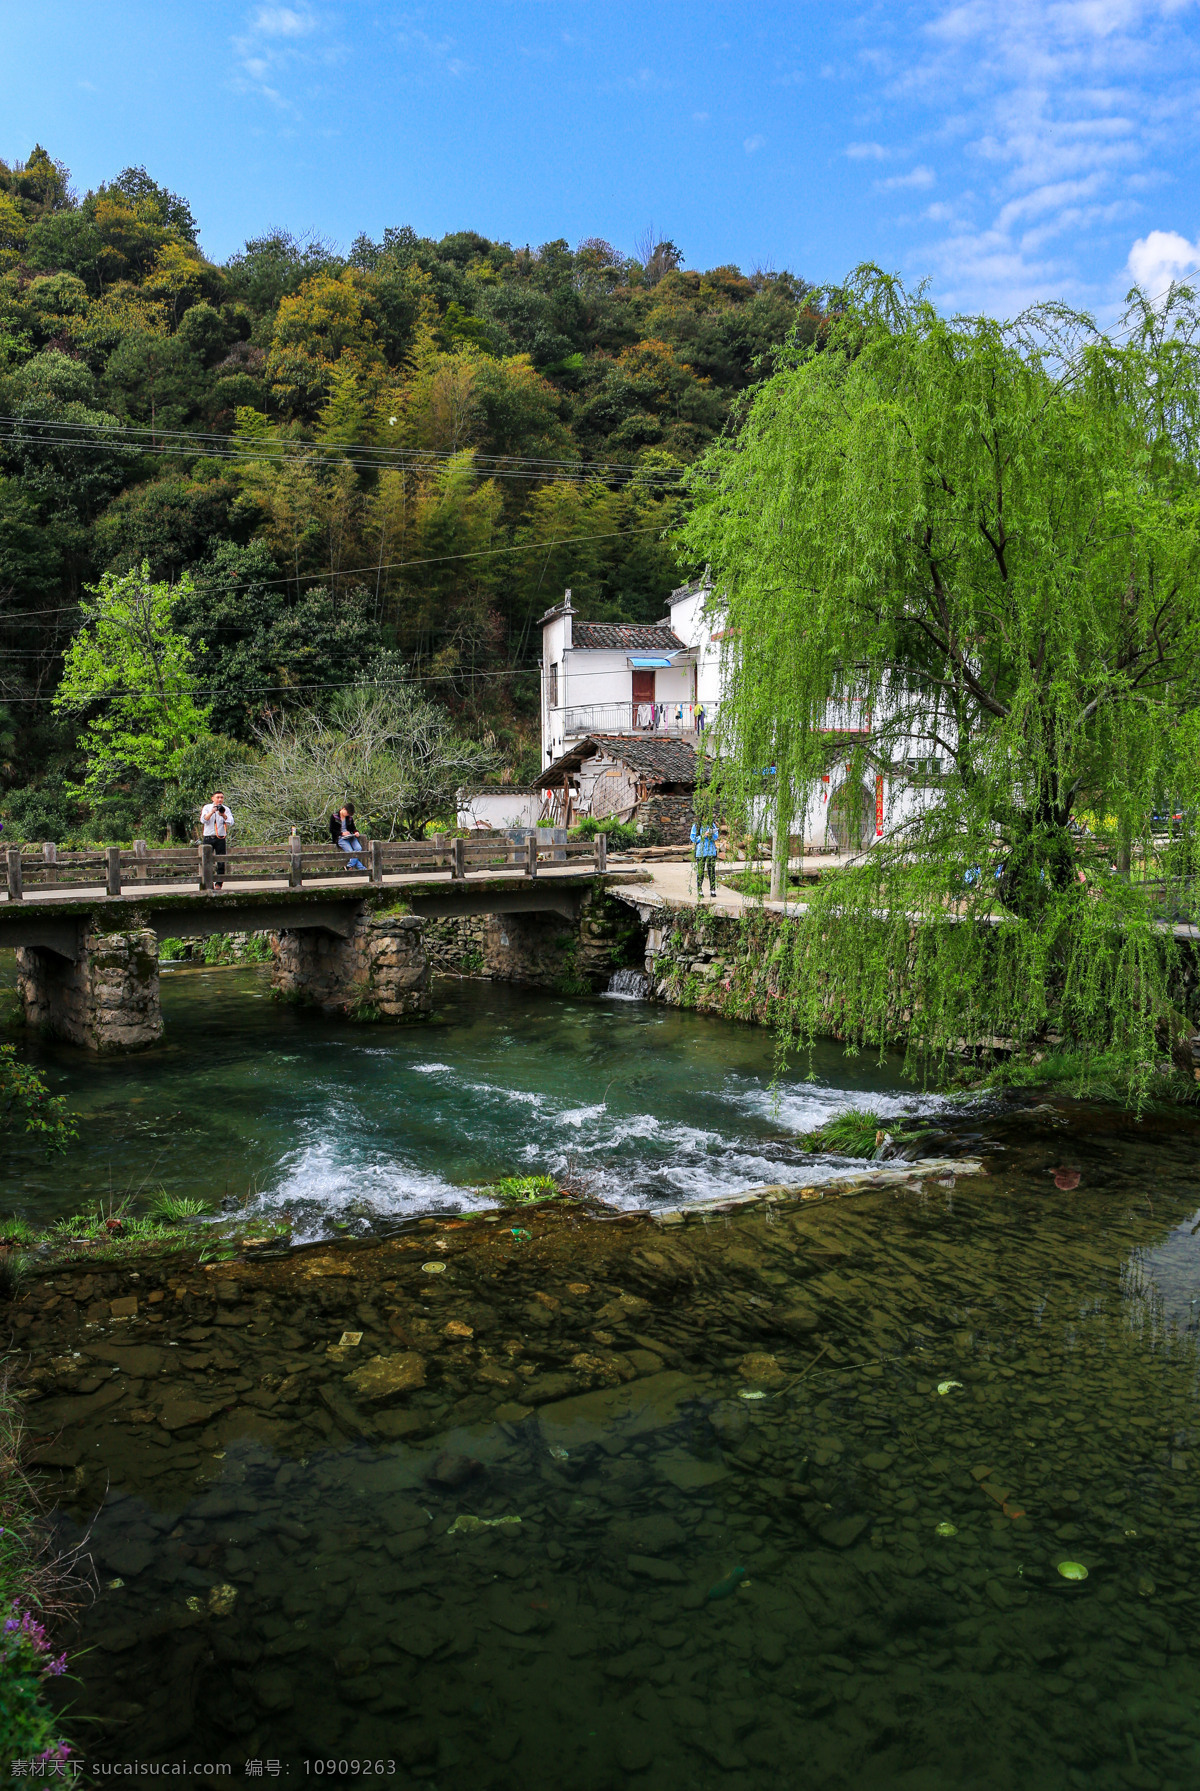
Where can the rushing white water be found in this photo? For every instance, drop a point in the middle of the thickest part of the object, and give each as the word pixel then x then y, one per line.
pixel 333 1125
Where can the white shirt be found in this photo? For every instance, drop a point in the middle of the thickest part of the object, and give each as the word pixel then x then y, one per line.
pixel 214 820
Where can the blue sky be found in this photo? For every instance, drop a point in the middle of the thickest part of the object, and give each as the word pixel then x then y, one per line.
pixel 1007 150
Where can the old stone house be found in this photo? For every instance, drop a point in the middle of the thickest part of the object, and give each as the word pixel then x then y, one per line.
pixel 649 780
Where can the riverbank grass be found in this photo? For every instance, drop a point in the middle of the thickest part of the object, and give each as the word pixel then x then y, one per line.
pixel 110 1232
pixel 29 1730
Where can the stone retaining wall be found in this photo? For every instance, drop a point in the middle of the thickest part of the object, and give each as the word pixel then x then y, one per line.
pixel 380 971
pixel 718 963
pixel 457 947
pixel 543 951
pixel 107 1000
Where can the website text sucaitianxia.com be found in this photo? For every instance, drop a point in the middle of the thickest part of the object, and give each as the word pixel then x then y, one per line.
pixel 202 1769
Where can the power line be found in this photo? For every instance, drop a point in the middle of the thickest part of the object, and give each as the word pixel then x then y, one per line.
pixel 370 455
pixel 311 578
pixel 514 671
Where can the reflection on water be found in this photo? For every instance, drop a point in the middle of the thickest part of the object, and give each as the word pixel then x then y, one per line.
pixel 793 1492
pixel 247 1099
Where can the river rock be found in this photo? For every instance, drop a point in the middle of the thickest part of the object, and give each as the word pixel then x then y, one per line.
pixel 544 1388
pixel 386 1377
pixel 638 1408
pixel 650 1535
pixel 128 1558
pixel 397 1424
pixel 761 1370
pixel 797 1321
pixel 647 1567
pixel 452 1468
pixel 272 1691
pixel 843 1532
pixel 179 1412
pixel 134 1358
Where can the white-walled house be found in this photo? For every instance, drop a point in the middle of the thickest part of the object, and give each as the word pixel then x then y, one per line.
pixel 627 677
pixel 500 807
pixel 605 680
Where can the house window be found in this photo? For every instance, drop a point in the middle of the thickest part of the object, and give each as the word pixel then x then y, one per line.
pixel 554 685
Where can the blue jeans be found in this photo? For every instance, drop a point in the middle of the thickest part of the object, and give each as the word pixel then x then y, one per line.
pixel 352 844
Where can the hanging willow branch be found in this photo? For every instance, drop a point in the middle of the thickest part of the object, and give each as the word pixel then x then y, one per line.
pixel 976 545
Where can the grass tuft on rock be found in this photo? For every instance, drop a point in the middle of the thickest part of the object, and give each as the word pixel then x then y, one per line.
pixel 522 1190
pixel 852 1133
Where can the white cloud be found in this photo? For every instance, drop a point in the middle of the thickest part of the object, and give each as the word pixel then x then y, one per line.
pixel 753 143
pixel 867 152
pixel 274 48
pixel 1162 256
pixel 282 21
pixel 1064 116
pixel 918 178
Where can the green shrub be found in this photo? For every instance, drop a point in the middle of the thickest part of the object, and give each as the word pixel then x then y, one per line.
pixel 620 834
pixel 26 1106
pixel 848 1134
pixel 522 1190
pixel 171 1208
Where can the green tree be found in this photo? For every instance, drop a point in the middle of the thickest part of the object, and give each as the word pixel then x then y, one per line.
pixel 383 745
pixel 26 1106
pixel 986 538
pixel 131 671
pixel 258 641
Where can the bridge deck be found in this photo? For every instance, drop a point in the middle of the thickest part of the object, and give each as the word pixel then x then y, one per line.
pixel 348 888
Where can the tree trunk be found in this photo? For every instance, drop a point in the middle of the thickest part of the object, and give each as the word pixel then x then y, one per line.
pixel 781 841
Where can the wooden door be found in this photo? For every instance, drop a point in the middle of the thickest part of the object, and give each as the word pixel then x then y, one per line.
pixel 643 692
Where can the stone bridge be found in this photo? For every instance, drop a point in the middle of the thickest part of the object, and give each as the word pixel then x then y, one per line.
pixel 87 956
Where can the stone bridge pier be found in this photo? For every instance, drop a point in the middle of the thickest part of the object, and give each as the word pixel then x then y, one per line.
pixel 87 969
pixel 105 998
pixel 378 971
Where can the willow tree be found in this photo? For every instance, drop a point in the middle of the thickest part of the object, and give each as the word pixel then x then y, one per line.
pixel 976 546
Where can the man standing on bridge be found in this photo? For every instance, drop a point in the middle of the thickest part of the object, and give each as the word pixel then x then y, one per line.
pixel 215 822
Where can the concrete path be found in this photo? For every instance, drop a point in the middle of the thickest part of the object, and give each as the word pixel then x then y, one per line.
pixel 673 883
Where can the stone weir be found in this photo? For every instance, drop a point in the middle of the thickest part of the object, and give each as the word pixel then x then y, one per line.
pixel 88 971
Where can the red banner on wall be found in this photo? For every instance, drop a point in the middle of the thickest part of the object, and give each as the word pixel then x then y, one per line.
pixel 878 805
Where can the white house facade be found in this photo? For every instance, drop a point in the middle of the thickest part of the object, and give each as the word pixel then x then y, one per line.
pixel 627 677
pixel 612 679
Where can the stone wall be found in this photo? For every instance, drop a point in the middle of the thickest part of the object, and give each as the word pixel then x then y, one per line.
pixel 545 951
pixel 380 971
pixel 107 1000
pixel 718 963
pixel 457 947
pixel 666 816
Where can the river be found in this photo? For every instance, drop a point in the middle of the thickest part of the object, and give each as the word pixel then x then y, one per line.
pixel 897 1491
pixel 330 1124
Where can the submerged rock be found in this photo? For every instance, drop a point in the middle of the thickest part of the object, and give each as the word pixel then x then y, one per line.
pixel 386 1377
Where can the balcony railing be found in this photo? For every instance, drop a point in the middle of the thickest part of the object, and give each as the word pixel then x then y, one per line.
pixel 636 718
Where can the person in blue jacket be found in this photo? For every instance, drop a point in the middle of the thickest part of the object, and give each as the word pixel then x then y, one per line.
pixel 705 839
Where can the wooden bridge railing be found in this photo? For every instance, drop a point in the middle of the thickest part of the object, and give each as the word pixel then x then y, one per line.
pixel 117 871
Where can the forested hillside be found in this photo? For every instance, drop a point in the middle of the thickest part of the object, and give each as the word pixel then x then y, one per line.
pixel 407 449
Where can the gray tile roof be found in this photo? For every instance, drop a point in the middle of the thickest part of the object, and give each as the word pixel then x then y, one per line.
pixel 656 759
pixel 626 637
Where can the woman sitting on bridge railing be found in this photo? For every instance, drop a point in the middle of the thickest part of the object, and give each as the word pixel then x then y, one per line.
pixel 344 834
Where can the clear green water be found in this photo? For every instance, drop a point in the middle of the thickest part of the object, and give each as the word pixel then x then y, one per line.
pixel 296 1583
pixel 249 1101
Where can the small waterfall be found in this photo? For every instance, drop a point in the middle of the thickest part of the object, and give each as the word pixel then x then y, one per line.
pixel 630 985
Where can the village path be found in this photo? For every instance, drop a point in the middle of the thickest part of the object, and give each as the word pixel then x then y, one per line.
pixel 674 883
